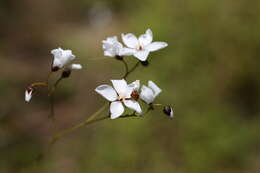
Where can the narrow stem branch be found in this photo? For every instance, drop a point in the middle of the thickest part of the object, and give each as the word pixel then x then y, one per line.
pixel 131 70
pixel 90 120
pixel 126 67
pixel 37 84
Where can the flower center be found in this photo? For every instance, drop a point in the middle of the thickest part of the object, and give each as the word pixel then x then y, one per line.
pixel 140 46
pixel 121 98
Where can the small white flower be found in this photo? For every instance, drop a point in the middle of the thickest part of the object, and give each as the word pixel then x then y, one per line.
pixel 75 66
pixel 28 94
pixel 61 58
pixel 148 94
pixel 143 45
pixel 118 95
pixel 112 47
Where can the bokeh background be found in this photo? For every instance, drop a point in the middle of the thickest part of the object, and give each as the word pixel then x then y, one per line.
pixel 209 73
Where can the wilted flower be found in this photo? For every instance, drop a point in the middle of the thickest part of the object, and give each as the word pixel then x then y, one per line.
pixel 28 94
pixel 112 47
pixel 143 45
pixel 148 94
pixel 121 93
pixel 168 111
pixel 61 58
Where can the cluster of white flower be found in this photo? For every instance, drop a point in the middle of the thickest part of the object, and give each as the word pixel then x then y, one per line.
pixel 61 60
pixel 121 95
pixel 138 47
pixel 127 94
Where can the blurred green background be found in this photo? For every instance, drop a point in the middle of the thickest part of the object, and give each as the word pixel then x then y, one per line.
pixel 209 73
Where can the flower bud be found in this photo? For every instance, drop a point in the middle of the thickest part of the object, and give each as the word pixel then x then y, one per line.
pixel 168 111
pixel 28 94
pixel 145 63
pixel 54 69
pixel 66 73
pixel 119 57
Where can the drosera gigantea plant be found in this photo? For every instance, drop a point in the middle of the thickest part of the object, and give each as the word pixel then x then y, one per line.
pixel 120 95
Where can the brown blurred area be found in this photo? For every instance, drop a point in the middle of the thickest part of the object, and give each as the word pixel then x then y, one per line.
pixel 209 73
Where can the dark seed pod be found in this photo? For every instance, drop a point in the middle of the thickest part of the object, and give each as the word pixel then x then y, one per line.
pixel 145 63
pixel 168 111
pixel 66 73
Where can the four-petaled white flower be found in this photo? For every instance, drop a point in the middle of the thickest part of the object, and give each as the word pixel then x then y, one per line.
pixel 112 47
pixel 148 94
pixel 121 93
pixel 28 94
pixel 143 45
pixel 61 58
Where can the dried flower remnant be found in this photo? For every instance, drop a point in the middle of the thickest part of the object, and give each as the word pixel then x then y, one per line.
pixel 168 110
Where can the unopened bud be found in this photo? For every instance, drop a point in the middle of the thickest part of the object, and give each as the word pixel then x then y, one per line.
pixel 28 94
pixel 119 57
pixel 168 111
pixel 54 69
pixel 66 73
pixel 145 63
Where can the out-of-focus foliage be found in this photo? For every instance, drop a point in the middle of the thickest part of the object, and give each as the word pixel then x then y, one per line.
pixel 209 73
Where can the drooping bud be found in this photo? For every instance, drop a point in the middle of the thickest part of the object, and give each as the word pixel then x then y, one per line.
pixel 145 63
pixel 28 94
pixel 168 111
pixel 66 73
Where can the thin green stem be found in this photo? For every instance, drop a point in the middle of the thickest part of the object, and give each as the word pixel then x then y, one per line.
pixel 131 70
pixel 90 120
pixel 126 67
pixel 37 84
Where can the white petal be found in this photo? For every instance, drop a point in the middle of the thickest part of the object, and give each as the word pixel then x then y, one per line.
pixel 116 109
pixel 130 40
pixel 134 105
pixel 146 38
pixel 28 95
pixel 112 46
pixel 107 92
pixel 62 57
pixel 154 87
pixel 76 66
pixel 135 85
pixel 120 86
pixel 126 52
pixel 147 94
pixel 141 55
pixel 156 46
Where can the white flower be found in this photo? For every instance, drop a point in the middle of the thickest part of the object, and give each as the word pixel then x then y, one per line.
pixel 118 95
pixel 143 45
pixel 112 47
pixel 148 94
pixel 61 58
pixel 28 94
